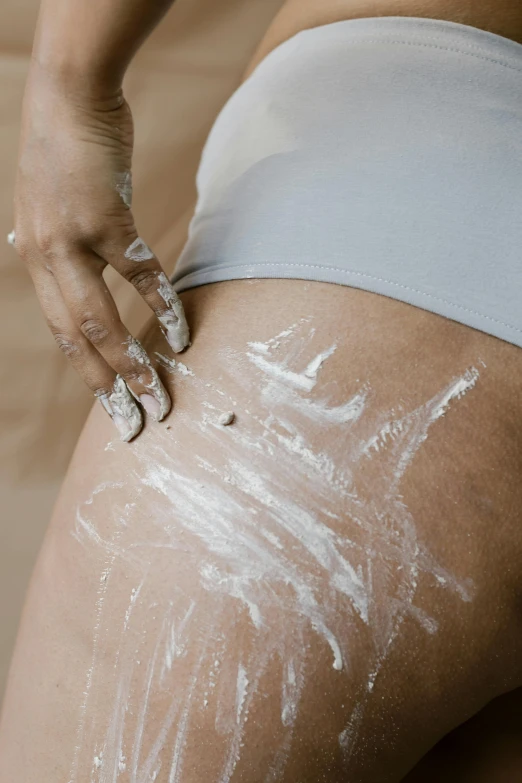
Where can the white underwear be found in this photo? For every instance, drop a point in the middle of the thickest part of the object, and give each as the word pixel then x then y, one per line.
pixel 381 153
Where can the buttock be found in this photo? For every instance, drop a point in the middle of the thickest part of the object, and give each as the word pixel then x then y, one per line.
pixel 504 19
pixel 377 153
pixel 310 570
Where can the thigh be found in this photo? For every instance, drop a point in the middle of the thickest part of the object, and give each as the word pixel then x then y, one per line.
pixel 503 17
pixel 486 748
pixel 323 588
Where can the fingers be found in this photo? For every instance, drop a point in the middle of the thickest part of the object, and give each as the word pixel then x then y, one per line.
pixel 136 262
pixel 95 314
pixel 122 409
pixel 106 385
pixel 88 328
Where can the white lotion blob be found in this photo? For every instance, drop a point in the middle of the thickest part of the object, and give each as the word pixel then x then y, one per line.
pixel 227 418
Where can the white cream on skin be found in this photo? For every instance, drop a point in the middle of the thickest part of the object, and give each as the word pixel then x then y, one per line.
pixel 282 373
pixel 174 366
pixel 139 251
pixel 11 238
pixel 123 185
pixel 315 365
pixel 259 526
pixel 173 321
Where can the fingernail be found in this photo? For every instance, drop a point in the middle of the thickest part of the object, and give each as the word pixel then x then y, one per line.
pixel 173 320
pixel 151 405
pixel 122 408
pixel 160 397
pixel 158 403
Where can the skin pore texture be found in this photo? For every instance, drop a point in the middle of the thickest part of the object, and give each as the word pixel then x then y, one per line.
pixel 318 591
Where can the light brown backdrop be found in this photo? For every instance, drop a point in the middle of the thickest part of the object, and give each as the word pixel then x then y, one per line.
pixel 176 86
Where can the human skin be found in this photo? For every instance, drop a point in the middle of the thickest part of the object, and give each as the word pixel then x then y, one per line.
pixel 71 219
pixel 486 748
pixel 503 17
pixel 141 606
pixel 461 490
pixel 73 201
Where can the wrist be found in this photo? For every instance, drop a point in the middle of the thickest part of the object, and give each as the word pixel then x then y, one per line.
pixel 75 81
pixel 72 59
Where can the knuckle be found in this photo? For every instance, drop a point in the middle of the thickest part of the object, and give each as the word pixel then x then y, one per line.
pixel 47 243
pixel 145 281
pixel 65 344
pixel 23 244
pixel 90 231
pixel 106 234
pixel 23 248
pixel 94 331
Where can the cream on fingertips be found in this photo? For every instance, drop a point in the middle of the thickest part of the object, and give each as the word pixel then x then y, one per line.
pixel 123 410
pixel 173 321
pixel 157 403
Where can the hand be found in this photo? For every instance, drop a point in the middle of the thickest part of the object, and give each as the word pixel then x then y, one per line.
pixel 72 218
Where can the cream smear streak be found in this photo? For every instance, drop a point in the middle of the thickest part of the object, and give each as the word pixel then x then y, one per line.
pixel 123 185
pixel 291 539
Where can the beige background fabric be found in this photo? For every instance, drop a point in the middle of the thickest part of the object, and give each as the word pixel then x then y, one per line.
pixel 176 86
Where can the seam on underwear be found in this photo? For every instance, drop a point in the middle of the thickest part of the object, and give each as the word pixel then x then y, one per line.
pixel 357 274
pixel 383 39
pixel 440 36
pixel 364 39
